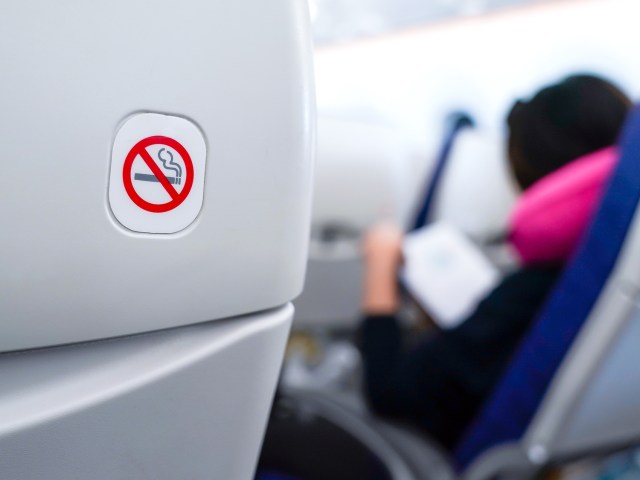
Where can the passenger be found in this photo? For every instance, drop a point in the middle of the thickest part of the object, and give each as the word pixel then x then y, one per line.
pixel 440 382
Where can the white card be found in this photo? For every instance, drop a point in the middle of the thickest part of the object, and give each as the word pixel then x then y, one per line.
pixel 446 273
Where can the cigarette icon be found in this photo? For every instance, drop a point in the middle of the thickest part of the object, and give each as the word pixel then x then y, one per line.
pixel 144 177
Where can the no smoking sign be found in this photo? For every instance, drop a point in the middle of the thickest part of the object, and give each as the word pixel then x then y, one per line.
pixel 176 159
pixel 157 173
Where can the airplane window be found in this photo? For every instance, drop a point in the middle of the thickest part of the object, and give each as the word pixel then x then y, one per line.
pixel 338 20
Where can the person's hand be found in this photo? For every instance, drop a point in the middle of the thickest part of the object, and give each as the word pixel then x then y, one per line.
pixel 382 251
pixel 382 246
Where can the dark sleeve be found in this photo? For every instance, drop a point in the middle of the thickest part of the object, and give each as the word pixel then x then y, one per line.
pixel 415 384
pixel 485 342
pixel 442 381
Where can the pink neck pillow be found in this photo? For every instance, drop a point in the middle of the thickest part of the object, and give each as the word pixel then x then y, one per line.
pixel 551 216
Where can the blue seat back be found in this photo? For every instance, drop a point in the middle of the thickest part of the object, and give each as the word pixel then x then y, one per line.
pixel 507 414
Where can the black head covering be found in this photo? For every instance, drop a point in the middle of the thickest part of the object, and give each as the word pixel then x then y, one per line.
pixel 563 122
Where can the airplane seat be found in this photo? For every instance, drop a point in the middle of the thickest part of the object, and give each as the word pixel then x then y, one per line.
pixel 456 123
pixel 479 209
pixel 572 387
pixel 453 193
pixel 155 228
pixel 360 178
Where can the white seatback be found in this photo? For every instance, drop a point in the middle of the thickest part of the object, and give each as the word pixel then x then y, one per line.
pixel 476 192
pixel 190 402
pixel 142 337
pixel 361 177
pixel 73 75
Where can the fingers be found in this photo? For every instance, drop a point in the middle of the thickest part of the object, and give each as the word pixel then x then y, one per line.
pixel 382 249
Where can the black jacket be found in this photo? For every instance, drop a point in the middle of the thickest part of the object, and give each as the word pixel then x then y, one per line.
pixel 442 381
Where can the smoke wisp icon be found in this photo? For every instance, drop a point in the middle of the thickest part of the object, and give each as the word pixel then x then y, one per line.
pixel 169 164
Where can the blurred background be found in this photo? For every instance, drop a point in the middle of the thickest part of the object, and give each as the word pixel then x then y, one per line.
pixel 390 74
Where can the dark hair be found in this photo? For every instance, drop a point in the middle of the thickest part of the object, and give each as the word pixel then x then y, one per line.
pixel 562 122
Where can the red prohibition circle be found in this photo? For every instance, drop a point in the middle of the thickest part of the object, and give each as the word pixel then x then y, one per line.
pixel 176 197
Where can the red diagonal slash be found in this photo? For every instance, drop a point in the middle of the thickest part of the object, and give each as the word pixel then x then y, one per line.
pixel 158 173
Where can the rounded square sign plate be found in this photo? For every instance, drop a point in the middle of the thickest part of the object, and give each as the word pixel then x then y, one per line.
pixel 156 183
